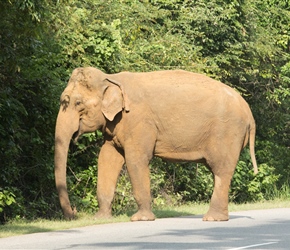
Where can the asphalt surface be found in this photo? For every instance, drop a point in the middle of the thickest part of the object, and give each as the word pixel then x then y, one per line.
pixel 259 229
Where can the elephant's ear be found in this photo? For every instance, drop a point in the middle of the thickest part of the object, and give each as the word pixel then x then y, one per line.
pixel 112 102
pixel 114 99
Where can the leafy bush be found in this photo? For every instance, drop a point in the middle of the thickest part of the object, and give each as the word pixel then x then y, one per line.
pixel 248 187
pixel 123 200
pixel 182 181
pixel 6 199
pixel 82 172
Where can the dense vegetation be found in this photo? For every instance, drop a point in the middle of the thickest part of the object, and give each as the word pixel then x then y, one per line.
pixel 244 43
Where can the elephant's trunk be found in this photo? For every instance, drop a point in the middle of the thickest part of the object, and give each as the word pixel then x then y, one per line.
pixel 66 125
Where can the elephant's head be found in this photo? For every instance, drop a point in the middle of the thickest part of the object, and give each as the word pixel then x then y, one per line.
pixel 90 99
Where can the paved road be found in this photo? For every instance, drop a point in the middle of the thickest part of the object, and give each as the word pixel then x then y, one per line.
pixel 261 229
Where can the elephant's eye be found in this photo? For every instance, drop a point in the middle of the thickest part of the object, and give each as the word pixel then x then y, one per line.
pixel 79 105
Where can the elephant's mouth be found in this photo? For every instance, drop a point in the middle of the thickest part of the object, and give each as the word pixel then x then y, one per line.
pixel 84 127
pixel 76 135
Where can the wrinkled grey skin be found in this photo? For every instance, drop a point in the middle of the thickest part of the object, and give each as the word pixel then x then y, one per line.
pixel 175 115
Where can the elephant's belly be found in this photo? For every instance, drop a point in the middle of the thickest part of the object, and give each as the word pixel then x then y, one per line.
pixel 179 147
pixel 196 156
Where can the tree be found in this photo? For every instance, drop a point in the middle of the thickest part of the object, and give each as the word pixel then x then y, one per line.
pixel 28 88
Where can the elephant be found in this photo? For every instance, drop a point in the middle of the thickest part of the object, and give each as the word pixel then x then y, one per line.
pixel 176 115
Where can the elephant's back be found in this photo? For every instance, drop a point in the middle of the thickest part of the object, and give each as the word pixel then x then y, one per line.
pixel 179 90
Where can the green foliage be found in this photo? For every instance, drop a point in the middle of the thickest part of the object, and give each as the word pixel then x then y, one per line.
pixel 28 88
pixel 180 182
pixel 6 199
pixel 246 187
pixel 85 189
pixel 82 172
pixel 83 38
pixel 123 200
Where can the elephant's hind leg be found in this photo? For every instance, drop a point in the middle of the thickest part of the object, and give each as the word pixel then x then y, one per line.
pixel 222 159
pixel 218 210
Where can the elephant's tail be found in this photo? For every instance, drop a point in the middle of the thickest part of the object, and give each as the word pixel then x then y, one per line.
pixel 252 133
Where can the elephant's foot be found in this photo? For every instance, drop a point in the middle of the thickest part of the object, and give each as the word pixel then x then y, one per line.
pixel 143 216
pixel 216 216
pixel 101 215
pixel 71 214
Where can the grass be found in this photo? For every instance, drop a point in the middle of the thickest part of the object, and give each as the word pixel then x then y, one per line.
pixel 19 227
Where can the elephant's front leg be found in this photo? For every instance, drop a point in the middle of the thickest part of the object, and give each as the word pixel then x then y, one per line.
pixel 110 163
pixel 138 169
